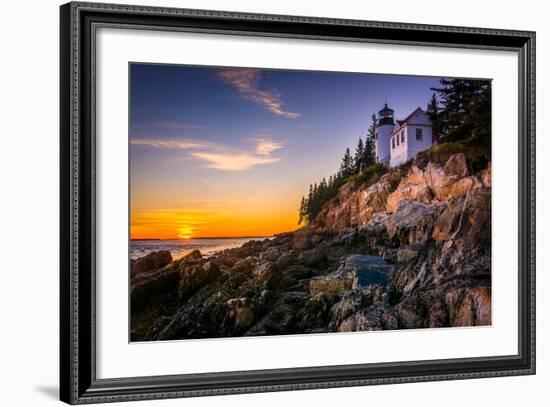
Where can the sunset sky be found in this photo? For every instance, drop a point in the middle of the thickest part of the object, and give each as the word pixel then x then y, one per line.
pixel 227 152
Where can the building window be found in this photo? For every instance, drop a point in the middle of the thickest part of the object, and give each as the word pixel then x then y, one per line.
pixel 419 134
pixel 393 142
pixel 397 137
pixel 376 136
pixel 403 136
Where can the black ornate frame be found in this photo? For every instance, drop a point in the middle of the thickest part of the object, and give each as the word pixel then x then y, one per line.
pixel 78 382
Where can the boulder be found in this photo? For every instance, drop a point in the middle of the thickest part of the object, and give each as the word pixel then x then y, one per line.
pixel 192 257
pixel 241 313
pixel 469 306
pixel 332 286
pixel 373 200
pixel 313 256
pixel 243 266
pixel 412 222
pixel 368 319
pixel 438 316
pixel 466 220
pixel 194 277
pixel 419 192
pixel 410 313
pixel 408 252
pixel 270 254
pixel 151 262
pixel 435 177
pixel 389 319
pixel 459 188
pixel 146 287
pixel 456 166
pixel 447 222
pixel 301 239
pixel 357 272
pixel 316 311
pixel 285 315
pixel 366 270
pixel 350 302
pixel 271 277
pixel 342 212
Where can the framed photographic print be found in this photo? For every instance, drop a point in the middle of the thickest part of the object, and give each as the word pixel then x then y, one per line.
pixel 256 203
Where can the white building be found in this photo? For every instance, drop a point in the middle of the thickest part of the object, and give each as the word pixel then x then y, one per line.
pixel 398 141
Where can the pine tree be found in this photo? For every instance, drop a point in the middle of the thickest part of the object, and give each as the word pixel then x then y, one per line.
pixel 369 156
pixel 346 168
pixel 358 158
pixel 432 110
pixel 466 111
pixel 309 203
pixel 323 187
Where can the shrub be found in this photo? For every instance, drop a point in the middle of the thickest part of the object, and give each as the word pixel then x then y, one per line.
pixel 368 176
pixel 438 154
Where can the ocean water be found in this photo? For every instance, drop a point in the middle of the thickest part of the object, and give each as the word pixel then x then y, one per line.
pixel 179 248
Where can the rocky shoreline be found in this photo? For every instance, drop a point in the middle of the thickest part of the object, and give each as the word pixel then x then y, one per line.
pixel 412 250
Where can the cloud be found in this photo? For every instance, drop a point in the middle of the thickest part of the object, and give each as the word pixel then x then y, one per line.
pixel 219 156
pixel 246 81
pixel 233 162
pixel 170 143
pixel 266 146
pixel 175 125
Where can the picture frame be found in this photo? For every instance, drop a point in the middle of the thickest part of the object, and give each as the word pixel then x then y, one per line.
pixel 78 347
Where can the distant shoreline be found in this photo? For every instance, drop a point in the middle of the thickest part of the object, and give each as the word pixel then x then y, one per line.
pixel 204 238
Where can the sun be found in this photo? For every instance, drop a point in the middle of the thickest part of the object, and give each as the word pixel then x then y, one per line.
pixel 185 233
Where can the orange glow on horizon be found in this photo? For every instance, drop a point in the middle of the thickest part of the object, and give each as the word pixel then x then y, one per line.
pixel 197 223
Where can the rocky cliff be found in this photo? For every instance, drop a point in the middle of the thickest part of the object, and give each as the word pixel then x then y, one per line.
pixel 412 250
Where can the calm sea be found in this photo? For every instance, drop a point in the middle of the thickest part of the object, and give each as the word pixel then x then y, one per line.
pixel 179 248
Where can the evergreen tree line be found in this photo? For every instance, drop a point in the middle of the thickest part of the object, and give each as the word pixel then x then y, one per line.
pixel 325 190
pixel 465 111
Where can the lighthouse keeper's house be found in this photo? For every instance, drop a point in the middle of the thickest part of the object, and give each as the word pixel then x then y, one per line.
pixel 397 141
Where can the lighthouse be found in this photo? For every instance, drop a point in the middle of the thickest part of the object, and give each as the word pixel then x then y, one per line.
pixel 383 130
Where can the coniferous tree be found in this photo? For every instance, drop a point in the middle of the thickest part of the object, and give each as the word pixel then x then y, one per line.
pixel 432 110
pixel 466 111
pixel 346 168
pixel 310 196
pixel 359 157
pixel 369 151
pixel 309 202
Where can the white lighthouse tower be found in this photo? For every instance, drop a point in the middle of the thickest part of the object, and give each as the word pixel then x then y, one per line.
pixel 383 130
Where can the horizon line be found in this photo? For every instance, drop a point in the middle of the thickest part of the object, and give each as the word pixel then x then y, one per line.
pixel 205 237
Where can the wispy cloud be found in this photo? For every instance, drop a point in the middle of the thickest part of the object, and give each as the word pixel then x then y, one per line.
pixel 219 156
pixel 233 162
pixel 172 125
pixel 265 146
pixel 170 143
pixel 246 81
